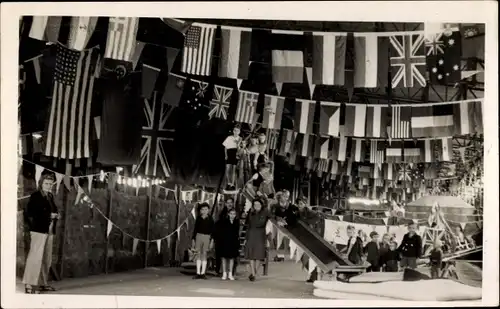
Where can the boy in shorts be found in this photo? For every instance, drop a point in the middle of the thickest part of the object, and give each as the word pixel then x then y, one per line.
pixel 202 239
pixel 231 145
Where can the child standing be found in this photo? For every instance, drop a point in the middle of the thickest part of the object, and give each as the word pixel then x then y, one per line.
pixel 436 259
pixel 411 247
pixel 230 243
pixel 202 239
pixel 372 251
pixel 391 258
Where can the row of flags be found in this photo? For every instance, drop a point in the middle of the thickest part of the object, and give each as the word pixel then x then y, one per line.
pixel 329 56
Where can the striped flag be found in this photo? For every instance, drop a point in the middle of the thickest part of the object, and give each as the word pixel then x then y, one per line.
pixel 69 126
pixel 221 100
pixel 358 150
pixel 247 106
pixel 432 121
pixel 339 149
pixel 377 171
pixel 468 117
pixel 120 44
pixel 389 171
pixel 355 120
pixel 376 121
pixel 400 122
pixel 408 61
pixel 287 141
pixel 377 152
pixel 287 56
pixel 329 118
pixel 273 110
pixel 81 30
pixel 198 49
pixel 306 144
pixel 304 116
pixel 444 149
pixel 322 147
pixel 372 60
pixel 235 52
pixel 364 171
pixel 272 139
pixel 45 28
pixel 334 169
pixel 394 152
pixel 413 152
pixel 328 58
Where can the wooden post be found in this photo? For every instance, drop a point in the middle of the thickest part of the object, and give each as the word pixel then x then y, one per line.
pixel 177 217
pixel 110 205
pixel 148 222
pixel 65 206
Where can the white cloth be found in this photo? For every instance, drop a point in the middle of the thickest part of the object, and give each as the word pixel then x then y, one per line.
pixel 231 142
pixel 336 231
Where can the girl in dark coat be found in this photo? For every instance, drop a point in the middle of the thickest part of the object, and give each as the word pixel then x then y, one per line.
pixel 255 245
pixel 229 243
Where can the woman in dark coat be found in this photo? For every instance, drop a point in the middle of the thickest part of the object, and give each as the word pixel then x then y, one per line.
pixel 255 245
pixel 229 243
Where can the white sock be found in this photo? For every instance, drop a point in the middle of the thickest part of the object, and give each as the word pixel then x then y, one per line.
pixel 198 267
pixel 203 267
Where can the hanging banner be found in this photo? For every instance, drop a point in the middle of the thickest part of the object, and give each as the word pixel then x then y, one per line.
pixel 386 220
pixel 158 245
pixel 110 227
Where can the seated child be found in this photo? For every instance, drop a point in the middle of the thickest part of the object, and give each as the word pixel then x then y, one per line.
pixel 391 258
pixel 436 259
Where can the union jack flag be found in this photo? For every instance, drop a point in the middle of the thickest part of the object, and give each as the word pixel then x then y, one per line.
pixel 156 136
pixel 219 105
pixel 434 44
pixel 409 63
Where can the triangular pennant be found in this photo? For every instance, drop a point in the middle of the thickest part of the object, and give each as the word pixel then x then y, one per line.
pixel 293 248
pixel 462 153
pixel 38 173
pixel 309 81
pixel 158 245
pixel 387 214
pixel 386 220
pixel 350 92
pixel 238 82
pixel 414 221
pixel 462 225
pixel 59 178
pixel 79 194
pixel 279 86
pixel 280 239
pixel 134 246
pixel 341 218
pixel 193 212
pixel 89 179
pixel 312 265
pixel 361 214
pixel 110 227
pixel 298 255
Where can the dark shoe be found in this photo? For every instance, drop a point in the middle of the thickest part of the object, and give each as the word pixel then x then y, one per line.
pixel 196 276
pixel 47 288
pixel 251 278
pixel 28 289
pixel 310 280
pixel 204 277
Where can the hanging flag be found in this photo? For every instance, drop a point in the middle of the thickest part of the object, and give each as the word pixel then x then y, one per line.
pixel 339 149
pixel 155 59
pixel 59 178
pixel 304 116
pixel 358 150
pixel 272 139
pixel 279 237
pixel 287 141
pixel 371 63
pixel 394 152
pixel 68 128
pixel 328 57
pixel 432 121
pixel 134 246
pixel 158 245
pixel 376 121
pixel 173 90
pixel 109 228
pixel 310 82
pixel 322 147
pixel 157 138
pixel 293 248
pixel 444 149
pixel 408 62
pixel 121 41
pixel 81 29
pixel 468 117
pixel 198 49
pixel 89 182
pixel 329 118
pixel 413 152
pixel 247 106
pixel 377 152
pixel 355 120
pixel 177 24
pixel 400 122
pixel 312 266
pixel 45 28
pixel 38 173
pixel 273 110
pixel 235 52
pixel 221 100
pixel 196 100
pixel 444 53
pixel 287 55
pixel 377 174
pixel 79 193
pixel 306 144
pixel 364 171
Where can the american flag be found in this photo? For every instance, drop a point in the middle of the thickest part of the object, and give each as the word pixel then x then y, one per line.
pixel 198 48
pixel 409 64
pixel 121 42
pixel 157 137
pixel 377 153
pixel 247 106
pixel 219 105
pixel 400 124
pixel 68 129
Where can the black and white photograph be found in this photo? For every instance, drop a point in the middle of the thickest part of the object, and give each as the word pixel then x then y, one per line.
pixel 297 158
